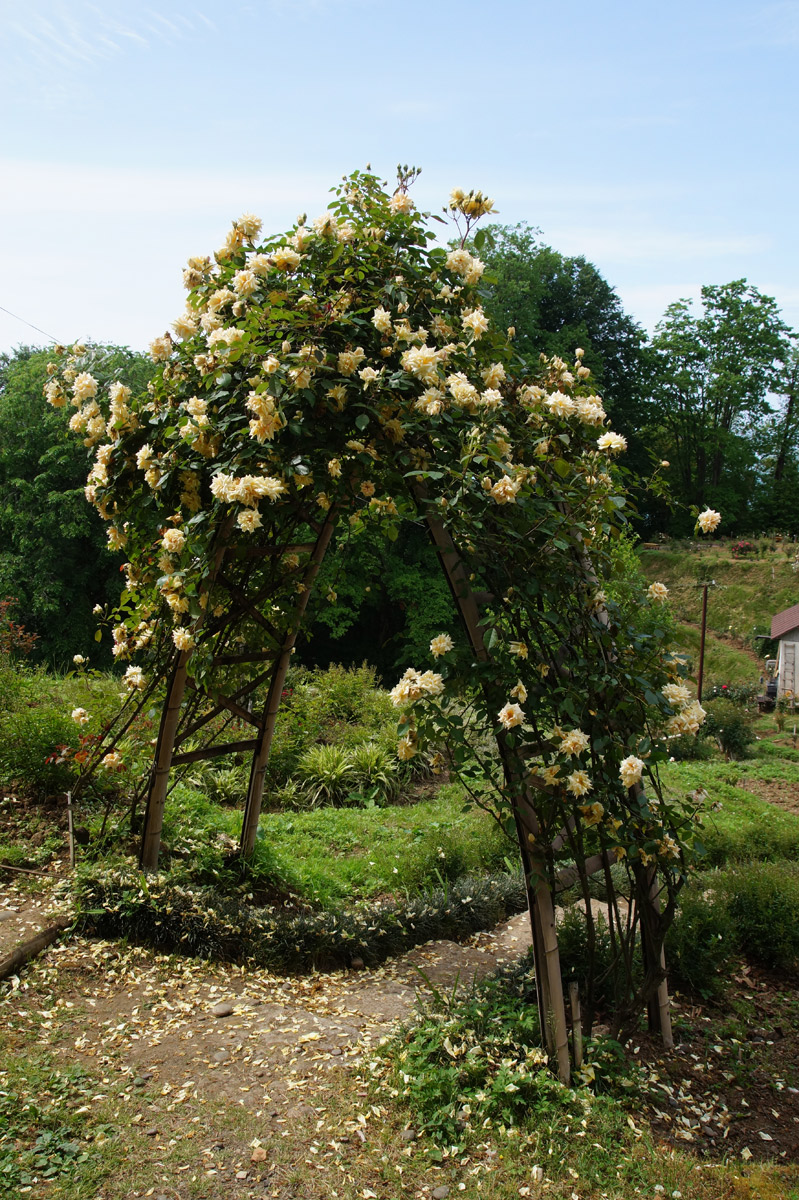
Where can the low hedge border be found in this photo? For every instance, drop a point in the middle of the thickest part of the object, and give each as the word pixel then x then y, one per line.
pixel 201 923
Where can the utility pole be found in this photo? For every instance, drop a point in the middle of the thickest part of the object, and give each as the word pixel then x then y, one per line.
pixel 701 673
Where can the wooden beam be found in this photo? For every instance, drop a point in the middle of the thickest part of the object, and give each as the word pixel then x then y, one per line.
pixel 224 702
pixel 247 605
pixel 568 876
pixel 250 656
pixel 268 551
pixel 209 716
pixel 214 751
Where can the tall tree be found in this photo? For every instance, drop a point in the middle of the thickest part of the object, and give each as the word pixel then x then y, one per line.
pixel 557 303
pixel 714 373
pixel 53 555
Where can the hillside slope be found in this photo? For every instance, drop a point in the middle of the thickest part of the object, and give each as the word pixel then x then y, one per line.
pixel 747 592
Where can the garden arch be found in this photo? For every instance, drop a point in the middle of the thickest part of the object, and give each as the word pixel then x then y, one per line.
pixel 346 374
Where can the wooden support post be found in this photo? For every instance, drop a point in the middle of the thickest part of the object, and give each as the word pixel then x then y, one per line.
pixel 165 746
pixel 255 791
pixel 154 812
pixel 549 986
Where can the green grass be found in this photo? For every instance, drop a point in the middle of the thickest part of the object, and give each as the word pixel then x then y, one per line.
pixel 745 827
pixel 723 662
pixel 331 855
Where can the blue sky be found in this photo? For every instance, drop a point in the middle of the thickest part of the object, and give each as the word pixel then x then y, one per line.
pixel 659 140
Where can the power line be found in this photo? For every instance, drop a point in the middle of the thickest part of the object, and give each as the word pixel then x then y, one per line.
pixel 28 323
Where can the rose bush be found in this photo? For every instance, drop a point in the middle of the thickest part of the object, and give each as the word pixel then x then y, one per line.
pixel 345 372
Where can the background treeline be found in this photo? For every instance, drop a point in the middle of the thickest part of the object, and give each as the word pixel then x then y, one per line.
pixel 713 392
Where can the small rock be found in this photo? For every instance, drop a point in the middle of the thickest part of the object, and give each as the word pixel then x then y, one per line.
pixel 408 1135
pixel 241 1174
pixel 258 1155
pixel 220 1056
pixel 357 964
pixel 225 1009
pixel 440 1193
pixel 335 1050
pixel 151 1133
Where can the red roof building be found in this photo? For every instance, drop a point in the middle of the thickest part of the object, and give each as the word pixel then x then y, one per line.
pixel 785 626
pixel 785 621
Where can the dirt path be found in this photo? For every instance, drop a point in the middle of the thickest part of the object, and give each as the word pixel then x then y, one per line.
pixel 208 1066
pixel 249 1036
pixel 22 914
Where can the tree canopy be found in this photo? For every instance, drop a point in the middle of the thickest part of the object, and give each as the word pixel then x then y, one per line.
pixel 711 412
pixel 53 554
pixel 558 303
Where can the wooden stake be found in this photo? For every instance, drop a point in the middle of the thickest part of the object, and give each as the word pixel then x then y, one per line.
pixel 70 830
pixel 577 1023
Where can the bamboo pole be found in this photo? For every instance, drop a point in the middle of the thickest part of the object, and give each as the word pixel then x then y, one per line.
pixel 70 830
pixel 663 1016
pixel 255 790
pixel 701 674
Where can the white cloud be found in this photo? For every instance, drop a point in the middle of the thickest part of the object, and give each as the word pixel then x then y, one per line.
pixel 59 35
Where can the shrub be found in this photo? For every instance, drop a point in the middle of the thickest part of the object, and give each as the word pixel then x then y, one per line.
pixel 202 922
pixel 689 748
pixel 699 942
pixel 29 749
pixel 739 693
pixel 763 904
pixel 730 726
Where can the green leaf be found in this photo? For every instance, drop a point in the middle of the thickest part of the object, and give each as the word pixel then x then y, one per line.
pixel 361 421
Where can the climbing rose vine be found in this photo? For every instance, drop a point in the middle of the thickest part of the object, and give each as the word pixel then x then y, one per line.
pixel 346 371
